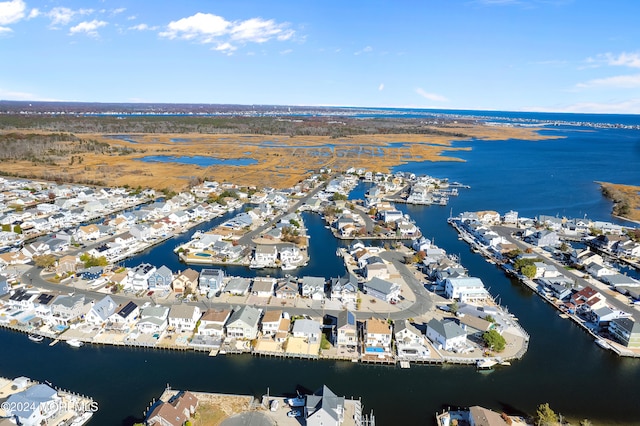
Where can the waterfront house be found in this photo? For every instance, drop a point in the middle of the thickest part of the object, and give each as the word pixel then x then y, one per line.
pixel 544 238
pixel 4 285
pixel 307 329
pixel 175 412
pixel 346 330
pixel 212 323
pixel 210 281
pixel 377 337
pixel 101 311
pixel 243 323
pixel 545 270
pixel 184 317
pixel 263 286
pixel 598 271
pixel 139 276
pixel 186 281
pixel 87 232
pixel 584 296
pixel 480 416
pixel 382 289
pixel 324 408
pixel 238 286
pixel 465 289
pixel 290 254
pixel 264 255
pixel 410 342
pixel 313 287
pixel 22 299
pixel 161 279
pixel 626 331
pixel 474 326
pixel 65 309
pixel 42 305
pixel 125 315
pixel 153 319
pixel 33 406
pixel 287 288
pixel 446 334
pixel 271 322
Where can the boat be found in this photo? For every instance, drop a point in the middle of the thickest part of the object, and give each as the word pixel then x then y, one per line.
pixel 298 401
pixel 36 338
pixel 75 343
pixel 286 267
pixel 505 363
pixel 274 405
pixel 603 344
pixel 294 413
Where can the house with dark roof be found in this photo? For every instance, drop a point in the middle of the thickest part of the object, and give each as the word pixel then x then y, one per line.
pixel 125 315
pixel 626 331
pixel 324 408
pixel 346 330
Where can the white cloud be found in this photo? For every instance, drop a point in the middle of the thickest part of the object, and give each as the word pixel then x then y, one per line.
pixel 34 13
pixel 226 35
pixel 619 82
pixel 286 51
pixel 5 31
pixel 201 26
pixel 11 11
pixel 257 30
pixel 22 96
pixel 431 96
pixel 64 15
pixel 624 59
pixel 118 11
pixel 88 27
pixel 143 27
pixel 381 87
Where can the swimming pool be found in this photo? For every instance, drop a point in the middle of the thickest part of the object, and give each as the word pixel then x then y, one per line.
pixel 59 328
pixel 374 350
pixel 203 254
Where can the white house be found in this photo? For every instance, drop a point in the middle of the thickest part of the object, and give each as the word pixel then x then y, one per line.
pixel 184 317
pixel 465 289
pixel 33 406
pixel 446 335
pixel 153 319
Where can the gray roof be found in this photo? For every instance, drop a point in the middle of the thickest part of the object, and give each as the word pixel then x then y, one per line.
pixel 247 314
pixel 30 399
pixel 306 327
pixel 104 308
pixel 237 284
pixel 380 285
pixel 182 311
pixel 324 399
pixel 447 329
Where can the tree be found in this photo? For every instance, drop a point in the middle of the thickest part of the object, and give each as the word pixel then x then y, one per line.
pixel 6 228
pixel 17 229
pixel 453 307
pixel 45 261
pixel 545 416
pixel 339 197
pixel 585 422
pixel 489 318
pixel 528 271
pixel 494 340
pixel 90 261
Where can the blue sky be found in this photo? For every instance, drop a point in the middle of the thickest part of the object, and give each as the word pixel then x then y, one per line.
pixel 531 55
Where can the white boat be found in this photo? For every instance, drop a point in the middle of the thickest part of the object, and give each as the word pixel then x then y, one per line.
pixel 603 344
pixel 75 343
pixel 286 267
pixel 298 401
pixel 36 338
pixel 274 405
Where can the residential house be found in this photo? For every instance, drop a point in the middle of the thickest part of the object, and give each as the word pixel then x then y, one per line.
pixel 346 331
pixel 324 408
pixel 125 315
pixel 465 289
pixel 88 232
pixel 446 335
pixel 160 279
pixel 263 286
pixel 186 281
pixel 184 317
pixel 382 290
pixel 626 331
pixel 101 311
pixel 410 342
pixel 210 281
pixel 139 276
pixel 153 319
pixel 4 285
pixel 290 254
pixel 377 336
pixel 65 309
pixel 345 289
pixel 480 416
pixel 67 264
pixel 238 286
pixel 175 412
pixel 33 406
pixel 313 287
pixel 375 267
pixel 271 322
pixel 213 321
pixel 243 323
pixel 307 329
pixel 264 255
pixel 287 288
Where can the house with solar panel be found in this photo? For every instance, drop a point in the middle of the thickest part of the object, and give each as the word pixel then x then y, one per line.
pixel 125 316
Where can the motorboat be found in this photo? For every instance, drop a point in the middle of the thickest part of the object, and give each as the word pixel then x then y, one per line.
pixel 298 401
pixel 485 364
pixel 274 405
pixel 75 343
pixel 294 413
pixel 36 338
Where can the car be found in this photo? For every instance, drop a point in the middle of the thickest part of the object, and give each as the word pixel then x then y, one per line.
pixel 294 413
pixel 150 293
